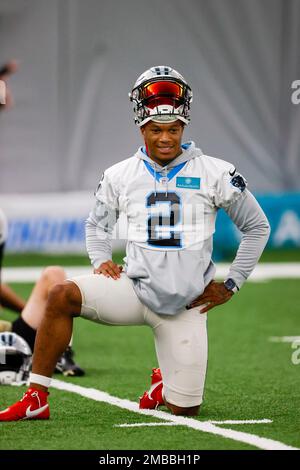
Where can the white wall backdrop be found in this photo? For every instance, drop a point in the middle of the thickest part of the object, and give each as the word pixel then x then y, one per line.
pixel 79 59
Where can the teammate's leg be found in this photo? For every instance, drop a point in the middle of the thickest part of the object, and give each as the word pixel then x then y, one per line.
pixel 32 314
pixel 34 309
pixel 54 333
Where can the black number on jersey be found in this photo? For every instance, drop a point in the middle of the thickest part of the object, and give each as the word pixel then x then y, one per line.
pixel 157 223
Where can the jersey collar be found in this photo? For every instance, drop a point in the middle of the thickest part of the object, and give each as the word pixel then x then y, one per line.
pixel 158 175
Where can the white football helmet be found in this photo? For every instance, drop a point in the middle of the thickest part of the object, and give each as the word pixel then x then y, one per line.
pixel 162 95
pixel 15 359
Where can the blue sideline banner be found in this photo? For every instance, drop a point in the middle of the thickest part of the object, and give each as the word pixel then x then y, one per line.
pixel 283 212
pixel 48 222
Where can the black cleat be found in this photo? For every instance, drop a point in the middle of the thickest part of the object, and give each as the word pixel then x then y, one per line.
pixel 66 365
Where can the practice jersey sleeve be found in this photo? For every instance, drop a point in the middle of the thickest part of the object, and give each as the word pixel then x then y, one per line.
pixel 101 222
pixel 250 219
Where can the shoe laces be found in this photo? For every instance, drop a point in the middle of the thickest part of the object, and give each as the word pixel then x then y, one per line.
pixel 34 394
pixel 25 395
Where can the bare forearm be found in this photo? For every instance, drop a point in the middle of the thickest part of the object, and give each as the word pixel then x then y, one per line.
pixel 11 300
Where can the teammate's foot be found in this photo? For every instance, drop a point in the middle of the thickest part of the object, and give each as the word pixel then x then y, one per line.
pixel 33 405
pixel 153 397
pixel 66 365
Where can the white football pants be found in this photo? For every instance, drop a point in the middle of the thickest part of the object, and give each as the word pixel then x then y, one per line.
pixel 180 340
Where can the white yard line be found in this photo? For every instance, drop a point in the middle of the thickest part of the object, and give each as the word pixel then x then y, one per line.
pixel 98 395
pixel 141 425
pixel 262 272
pixel 242 421
pixel 284 339
pixel 228 421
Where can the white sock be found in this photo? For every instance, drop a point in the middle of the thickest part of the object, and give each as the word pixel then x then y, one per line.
pixel 40 379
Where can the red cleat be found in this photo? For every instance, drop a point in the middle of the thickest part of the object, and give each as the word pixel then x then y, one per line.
pixel 33 405
pixel 153 397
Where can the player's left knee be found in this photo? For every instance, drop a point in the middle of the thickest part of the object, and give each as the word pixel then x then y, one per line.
pixel 183 411
pixel 185 401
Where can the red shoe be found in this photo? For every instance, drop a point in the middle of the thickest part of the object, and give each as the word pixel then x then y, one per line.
pixel 33 405
pixel 153 397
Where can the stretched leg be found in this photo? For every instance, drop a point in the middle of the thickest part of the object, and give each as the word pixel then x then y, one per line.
pixel 55 331
pixel 103 300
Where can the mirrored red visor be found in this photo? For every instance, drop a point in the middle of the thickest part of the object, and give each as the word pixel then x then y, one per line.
pixel 171 89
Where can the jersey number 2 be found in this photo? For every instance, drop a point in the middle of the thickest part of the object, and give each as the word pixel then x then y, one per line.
pixel 157 224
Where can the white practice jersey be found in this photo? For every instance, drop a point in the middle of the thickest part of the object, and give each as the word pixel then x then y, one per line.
pixel 171 213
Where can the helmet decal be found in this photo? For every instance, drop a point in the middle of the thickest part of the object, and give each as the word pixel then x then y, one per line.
pixel 15 359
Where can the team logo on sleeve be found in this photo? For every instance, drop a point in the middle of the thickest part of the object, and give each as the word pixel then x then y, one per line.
pixel 238 181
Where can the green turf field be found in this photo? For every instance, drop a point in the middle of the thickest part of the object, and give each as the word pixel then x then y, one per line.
pixel 249 378
pixel 42 259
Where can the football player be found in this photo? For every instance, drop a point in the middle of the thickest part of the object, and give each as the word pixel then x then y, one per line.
pixel 170 193
pixel 31 312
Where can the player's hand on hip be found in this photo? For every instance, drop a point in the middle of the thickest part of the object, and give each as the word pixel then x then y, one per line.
pixel 214 294
pixel 109 269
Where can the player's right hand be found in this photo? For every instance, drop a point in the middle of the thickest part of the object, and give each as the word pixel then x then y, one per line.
pixel 109 269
